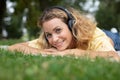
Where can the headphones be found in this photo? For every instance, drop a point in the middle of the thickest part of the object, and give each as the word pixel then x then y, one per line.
pixel 71 19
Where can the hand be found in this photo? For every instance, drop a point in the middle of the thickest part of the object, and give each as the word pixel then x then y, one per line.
pixel 55 52
pixel 50 50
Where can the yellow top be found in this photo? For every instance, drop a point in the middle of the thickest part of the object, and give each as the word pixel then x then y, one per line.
pixel 99 42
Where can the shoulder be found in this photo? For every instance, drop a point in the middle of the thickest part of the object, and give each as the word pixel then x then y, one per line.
pixel 98 33
pixel 33 43
pixel 100 42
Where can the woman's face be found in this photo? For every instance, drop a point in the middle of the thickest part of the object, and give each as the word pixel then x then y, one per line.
pixel 57 34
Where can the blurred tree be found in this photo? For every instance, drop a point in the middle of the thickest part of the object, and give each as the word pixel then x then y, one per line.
pixel 26 13
pixel 108 15
pixel 14 28
pixel 24 16
pixel 2 15
pixel 45 4
pixel 34 8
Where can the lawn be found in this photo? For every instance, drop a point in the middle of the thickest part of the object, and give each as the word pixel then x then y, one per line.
pixel 16 66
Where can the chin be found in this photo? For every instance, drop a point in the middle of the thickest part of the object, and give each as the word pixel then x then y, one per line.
pixel 61 49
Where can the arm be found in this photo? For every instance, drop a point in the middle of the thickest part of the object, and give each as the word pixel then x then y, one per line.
pixel 23 47
pixel 91 54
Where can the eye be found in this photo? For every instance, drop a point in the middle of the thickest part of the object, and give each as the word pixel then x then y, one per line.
pixel 48 35
pixel 58 30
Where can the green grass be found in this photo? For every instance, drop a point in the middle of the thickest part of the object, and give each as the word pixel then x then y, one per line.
pixel 16 66
pixel 10 41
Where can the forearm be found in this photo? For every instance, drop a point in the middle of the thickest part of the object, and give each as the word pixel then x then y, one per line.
pixel 79 52
pixel 93 54
pixel 104 54
pixel 24 48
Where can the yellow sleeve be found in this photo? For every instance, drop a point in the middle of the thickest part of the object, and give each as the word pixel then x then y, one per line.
pixel 100 42
pixel 33 43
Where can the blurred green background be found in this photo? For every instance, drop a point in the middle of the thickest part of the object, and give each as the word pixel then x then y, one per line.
pixel 18 18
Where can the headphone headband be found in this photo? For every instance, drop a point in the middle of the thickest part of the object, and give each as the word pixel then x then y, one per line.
pixel 65 10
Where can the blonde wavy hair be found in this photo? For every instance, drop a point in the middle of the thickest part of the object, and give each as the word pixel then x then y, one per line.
pixel 83 28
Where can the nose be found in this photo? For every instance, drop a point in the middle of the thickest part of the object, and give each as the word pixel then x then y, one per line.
pixel 55 38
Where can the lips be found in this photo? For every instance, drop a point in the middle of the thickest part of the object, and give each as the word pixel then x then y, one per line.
pixel 59 44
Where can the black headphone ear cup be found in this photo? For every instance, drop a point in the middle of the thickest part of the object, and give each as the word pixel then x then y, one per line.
pixel 70 24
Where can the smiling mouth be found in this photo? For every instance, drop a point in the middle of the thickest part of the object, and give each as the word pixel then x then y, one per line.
pixel 59 44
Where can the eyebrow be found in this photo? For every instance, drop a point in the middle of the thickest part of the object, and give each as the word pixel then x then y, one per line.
pixel 53 29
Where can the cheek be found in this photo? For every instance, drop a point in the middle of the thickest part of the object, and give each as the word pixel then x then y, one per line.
pixel 67 35
pixel 49 41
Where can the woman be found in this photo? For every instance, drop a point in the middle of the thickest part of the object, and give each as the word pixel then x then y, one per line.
pixel 68 32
